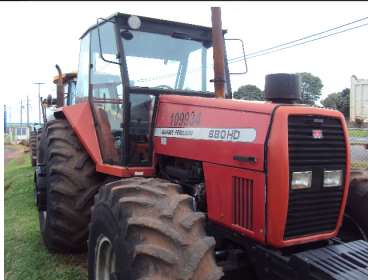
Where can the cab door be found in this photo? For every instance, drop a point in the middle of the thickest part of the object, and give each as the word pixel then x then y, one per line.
pixel 123 115
pixel 106 94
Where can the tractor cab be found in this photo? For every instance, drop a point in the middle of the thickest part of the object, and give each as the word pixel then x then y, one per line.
pixel 125 63
pixel 69 81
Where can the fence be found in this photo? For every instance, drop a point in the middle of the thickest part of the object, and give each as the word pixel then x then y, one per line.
pixel 359 147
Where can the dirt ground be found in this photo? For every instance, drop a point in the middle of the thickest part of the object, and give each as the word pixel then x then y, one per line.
pixel 12 151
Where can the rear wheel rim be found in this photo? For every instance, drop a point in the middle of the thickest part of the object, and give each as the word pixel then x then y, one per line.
pixel 105 259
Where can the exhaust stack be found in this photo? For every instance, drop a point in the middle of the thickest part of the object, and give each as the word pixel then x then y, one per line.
pixel 59 89
pixel 283 88
pixel 218 52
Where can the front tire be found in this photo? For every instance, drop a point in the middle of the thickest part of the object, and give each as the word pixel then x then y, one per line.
pixel 146 229
pixel 357 205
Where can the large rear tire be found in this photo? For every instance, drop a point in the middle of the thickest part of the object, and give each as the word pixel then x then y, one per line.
pixel 38 138
pixel 146 229
pixel 67 187
pixel 33 146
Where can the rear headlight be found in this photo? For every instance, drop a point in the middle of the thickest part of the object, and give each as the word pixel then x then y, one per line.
pixel 301 180
pixel 332 178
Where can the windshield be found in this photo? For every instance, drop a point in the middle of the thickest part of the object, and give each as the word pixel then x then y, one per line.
pixel 165 62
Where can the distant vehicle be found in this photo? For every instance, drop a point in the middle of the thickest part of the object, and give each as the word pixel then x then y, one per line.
pixel 358 99
pixel 35 132
pixel 67 82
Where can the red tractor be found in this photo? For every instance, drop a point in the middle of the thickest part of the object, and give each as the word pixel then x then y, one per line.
pixel 162 175
pixel 67 82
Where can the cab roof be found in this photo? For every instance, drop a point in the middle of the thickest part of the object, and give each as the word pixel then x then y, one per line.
pixel 65 77
pixel 154 25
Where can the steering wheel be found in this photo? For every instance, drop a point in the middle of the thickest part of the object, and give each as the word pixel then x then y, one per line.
pixel 164 87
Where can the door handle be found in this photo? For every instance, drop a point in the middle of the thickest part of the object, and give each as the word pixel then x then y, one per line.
pixel 245 159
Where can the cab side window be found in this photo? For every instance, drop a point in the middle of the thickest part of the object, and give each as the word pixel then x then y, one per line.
pixel 70 90
pixel 140 125
pixel 83 71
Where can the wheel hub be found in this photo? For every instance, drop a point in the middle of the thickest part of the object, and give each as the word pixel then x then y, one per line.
pixel 105 259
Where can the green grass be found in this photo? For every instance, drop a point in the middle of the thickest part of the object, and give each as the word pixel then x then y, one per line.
pixel 358 133
pixel 359 164
pixel 25 255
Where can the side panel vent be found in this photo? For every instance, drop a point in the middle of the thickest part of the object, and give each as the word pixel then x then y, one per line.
pixel 243 202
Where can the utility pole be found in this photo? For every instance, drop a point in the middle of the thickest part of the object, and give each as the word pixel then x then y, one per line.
pixel 27 111
pixel 5 119
pixel 39 100
pixel 21 113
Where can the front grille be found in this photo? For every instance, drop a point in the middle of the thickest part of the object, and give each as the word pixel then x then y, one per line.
pixel 304 150
pixel 243 202
pixel 314 210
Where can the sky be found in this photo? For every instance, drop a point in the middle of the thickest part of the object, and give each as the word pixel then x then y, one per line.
pixel 37 35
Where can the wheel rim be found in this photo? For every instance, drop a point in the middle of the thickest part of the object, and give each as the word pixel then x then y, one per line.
pixel 35 197
pixel 42 218
pixel 105 259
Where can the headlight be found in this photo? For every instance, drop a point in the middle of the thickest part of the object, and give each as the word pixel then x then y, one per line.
pixel 301 180
pixel 332 178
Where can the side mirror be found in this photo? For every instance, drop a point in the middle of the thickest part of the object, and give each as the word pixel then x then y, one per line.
pixel 49 100
pixel 101 32
pixel 237 61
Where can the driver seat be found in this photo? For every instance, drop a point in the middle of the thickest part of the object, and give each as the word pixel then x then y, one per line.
pixel 110 154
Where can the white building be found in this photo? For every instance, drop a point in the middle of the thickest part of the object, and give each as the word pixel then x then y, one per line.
pixel 358 99
pixel 17 132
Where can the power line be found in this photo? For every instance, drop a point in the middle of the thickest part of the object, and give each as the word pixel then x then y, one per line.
pixel 305 42
pixel 307 37
pixel 275 48
pixel 268 50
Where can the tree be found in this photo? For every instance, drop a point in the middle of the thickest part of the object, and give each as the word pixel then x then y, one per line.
pixel 249 92
pixel 339 101
pixel 330 101
pixel 311 88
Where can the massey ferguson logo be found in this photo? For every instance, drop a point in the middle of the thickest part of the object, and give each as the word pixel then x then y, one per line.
pixel 317 134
